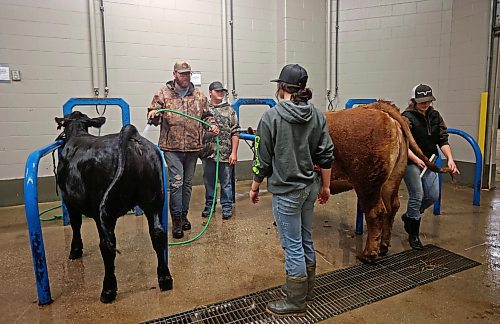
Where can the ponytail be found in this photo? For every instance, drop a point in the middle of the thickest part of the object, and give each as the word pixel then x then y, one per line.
pixel 303 95
pixel 298 94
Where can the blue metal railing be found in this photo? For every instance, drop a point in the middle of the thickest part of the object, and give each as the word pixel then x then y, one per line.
pixel 164 217
pixel 476 199
pixel 351 102
pixel 243 135
pixel 72 102
pixel 251 101
pixel 33 220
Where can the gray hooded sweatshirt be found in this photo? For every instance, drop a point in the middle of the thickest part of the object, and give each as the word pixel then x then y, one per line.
pixel 290 140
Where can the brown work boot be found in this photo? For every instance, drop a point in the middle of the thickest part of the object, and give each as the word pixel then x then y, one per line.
pixel 186 225
pixel 177 232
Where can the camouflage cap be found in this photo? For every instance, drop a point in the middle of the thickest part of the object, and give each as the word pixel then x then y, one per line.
pixel 182 66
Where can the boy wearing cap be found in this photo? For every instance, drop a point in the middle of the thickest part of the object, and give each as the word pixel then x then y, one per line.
pixel 429 130
pixel 226 119
pixel 181 138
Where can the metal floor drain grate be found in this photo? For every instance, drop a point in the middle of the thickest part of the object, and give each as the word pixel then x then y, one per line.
pixel 337 291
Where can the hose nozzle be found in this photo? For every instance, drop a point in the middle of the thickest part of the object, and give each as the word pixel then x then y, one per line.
pixel 154 121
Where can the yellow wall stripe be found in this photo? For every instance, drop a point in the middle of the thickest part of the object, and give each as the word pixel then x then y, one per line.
pixel 482 121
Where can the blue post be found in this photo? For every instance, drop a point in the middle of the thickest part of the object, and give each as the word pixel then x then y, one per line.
pixel 63 205
pixel 164 217
pixel 33 220
pixel 359 214
pixel 437 204
pixel 476 200
pixel 359 220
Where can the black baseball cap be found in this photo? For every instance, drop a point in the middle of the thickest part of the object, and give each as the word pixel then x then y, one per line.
pixel 293 74
pixel 422 93
pixel 216 85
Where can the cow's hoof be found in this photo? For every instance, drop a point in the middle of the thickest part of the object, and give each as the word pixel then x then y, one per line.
pixel 108 296
pixel 165 283
pixel 367 259
pixel 383 250
pixel 75 254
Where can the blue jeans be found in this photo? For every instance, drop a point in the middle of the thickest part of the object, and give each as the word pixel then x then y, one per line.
pixel 422 193
pixel 181 167
pixel 293 213
pixel 226 184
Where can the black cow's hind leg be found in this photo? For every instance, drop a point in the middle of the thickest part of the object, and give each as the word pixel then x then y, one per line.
pixel 75 219
pixel 108 252
pixel 158 238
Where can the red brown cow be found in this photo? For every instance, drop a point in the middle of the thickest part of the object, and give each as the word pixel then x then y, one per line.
pixel 371 152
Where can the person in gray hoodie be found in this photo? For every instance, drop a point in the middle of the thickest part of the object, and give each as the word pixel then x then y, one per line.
pixel 295 152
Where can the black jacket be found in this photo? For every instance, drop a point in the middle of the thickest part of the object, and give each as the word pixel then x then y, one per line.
pixel 428 131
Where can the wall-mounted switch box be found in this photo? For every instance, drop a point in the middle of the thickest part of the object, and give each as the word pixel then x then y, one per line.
pixel 16 75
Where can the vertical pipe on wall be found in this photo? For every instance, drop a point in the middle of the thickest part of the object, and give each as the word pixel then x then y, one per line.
pixel 491 35
pixel 231 23
pixel 336 95
pixel 106 89
pixel 328 51
pixel 492 83
pixel 333 102
pixel 285 40
pixel 224 41
pixel 93 48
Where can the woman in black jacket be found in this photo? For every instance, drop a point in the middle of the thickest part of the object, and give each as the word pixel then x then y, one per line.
pixel 429 130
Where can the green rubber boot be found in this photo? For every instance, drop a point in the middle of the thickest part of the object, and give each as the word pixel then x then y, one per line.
pixel 294 304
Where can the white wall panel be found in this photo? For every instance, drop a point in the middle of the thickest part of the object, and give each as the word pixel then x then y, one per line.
pixel 385 47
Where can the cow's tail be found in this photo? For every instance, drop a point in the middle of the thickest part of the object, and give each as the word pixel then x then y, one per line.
pixel 393 111
pixel 126 134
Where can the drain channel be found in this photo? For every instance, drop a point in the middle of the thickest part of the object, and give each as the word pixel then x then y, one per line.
pixel 337 291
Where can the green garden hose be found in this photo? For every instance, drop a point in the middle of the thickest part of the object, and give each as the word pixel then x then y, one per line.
pixel 217 156
pixel 215 184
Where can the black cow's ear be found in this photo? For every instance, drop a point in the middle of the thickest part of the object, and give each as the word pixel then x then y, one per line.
pixel 97 122
pixel 60 122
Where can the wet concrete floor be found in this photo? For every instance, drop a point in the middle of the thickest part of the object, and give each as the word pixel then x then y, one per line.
pixel 243 255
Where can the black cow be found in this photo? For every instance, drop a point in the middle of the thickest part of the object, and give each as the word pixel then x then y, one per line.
pixel 103 178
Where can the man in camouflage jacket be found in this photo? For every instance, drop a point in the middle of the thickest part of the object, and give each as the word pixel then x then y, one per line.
pixel 181 138
pixel 227 121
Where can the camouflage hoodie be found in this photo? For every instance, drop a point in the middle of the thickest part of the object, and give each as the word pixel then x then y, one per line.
pixel 226 119
pixel 179 133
